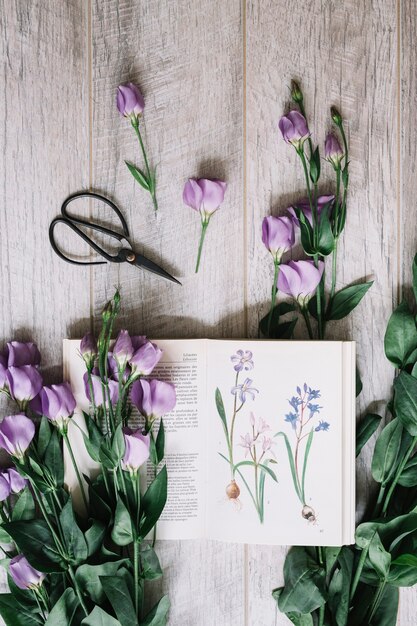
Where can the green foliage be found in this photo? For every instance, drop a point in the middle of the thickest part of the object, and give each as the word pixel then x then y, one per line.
pixel 118 595
pixel 400 336
pixel 386 451
pixel 304 589
pixel 153 502
pixel 139 176
pixel 367 426
pixel 347 299
pixel 158 615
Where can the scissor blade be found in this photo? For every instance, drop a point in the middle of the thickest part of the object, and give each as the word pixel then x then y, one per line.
pixel 150 266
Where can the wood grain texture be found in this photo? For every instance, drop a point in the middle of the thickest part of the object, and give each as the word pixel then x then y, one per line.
pixel 344 54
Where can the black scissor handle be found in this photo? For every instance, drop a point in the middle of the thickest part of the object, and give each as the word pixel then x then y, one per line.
pixel 96 196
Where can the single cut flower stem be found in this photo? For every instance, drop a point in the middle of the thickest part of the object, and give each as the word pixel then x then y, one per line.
pixel 93 401
pixel 398 474
pixel 148 171
pixel 273 294
pixel 307 321
pixel 75 466
pixel 77 589
pixel 204 224
pixel 136 574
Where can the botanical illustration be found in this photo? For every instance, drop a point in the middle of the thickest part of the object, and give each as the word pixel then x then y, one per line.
pixel 303 421
pixel 255 446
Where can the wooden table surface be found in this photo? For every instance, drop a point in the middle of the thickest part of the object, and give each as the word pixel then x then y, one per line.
pixel 215 76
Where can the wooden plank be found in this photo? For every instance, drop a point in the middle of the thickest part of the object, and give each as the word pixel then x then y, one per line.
pixel 187 59
pixel 344 54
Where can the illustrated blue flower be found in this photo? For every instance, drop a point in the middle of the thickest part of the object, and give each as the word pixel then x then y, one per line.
pixel 322 426
pixel 313 394
pixel 292 419
pixel 314 408
pixel 295 403
pixel 245 389
pixel 243 360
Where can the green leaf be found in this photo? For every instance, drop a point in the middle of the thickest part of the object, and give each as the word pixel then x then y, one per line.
pixel 37 544
pixel 345 300
pixel 64 611
pixel 94 536
pixel 292 464
pixel 151 568
pixel 74 539
pixel 24 508
pixel 405 401
pixel 315 166
pixel 330 557
pixel 401 335
pixel 88 577
pixel 379 558
pixel 403 572
pixel 415 276
pixel 358 383
pixel 326 238
pixel 139 176
pixel 54 459
pixel 366 429
pixel 122 533
pixel 118 445
pixel 106 456
pixel 93 440
pixel 386 613
pixel 153 502
pixel 386 451
pixel 16 614
pixel 118 594
pixel 306 232
pixel 339 587
pixel 44 435
pixel 408 477
pixel 158 615
pixel 98 617
pixel 221 411
pixel 304 589
pixel 160 442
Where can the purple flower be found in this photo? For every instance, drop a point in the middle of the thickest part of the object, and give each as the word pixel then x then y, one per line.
pixel 24 383
pixel 243 360
pixel 130 102
pixel 136 450
pixel 304 205
pixel 322 426
pixel 20 353
pixel 246 442
pixel 267 444
pixel 3 372
pixel 153 398
pixel 98 390
pixel 278 235
pixel 23 574
pixel 144 359
pixel 300 279
pixel 245 389
pixel 204 195
pixel 4 487
pixel 292 419
pixel 16 481
pixel 123 349
pixel 138 341
pixel 57 403
pixel 294 129
pixel 333 151
pixel 16 434
pixel 88 349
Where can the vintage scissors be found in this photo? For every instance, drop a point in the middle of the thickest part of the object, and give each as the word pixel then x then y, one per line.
pixel 123 255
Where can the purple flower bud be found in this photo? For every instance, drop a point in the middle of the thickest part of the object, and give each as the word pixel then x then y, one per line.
pixel 23 354
pixel 16 481
pixel 153 398
pixel 16 434
pixel 278 235
pixel 333 151
pixel 300 279
pixel 204 195
pixel 24 383
pixel 294 129
pixel 138 341
pixel 304 205
pixel 130 101
pixel 4 487
pixel 23 574
pixel 57 403
pixel 144 359
pixel 136 449
pixel 88 349
pixel 98 390
pixel 123 349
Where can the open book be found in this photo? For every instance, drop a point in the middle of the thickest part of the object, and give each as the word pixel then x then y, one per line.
pixel 260 447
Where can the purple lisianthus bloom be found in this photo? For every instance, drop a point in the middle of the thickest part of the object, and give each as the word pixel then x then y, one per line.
pixel 98 390
pixel 24 383
pixel 88 349
pixel 243 360
pixel 300 279
pixel 16 434
pixel 20 353
pixel 138 341
pixel 136 450
pixel 153 398
pixel 3 372
pixel 304 205
pixel 278 235
pixel 204 195
pixel 322 426
pixel 4 487
pixel 57 403
pixel 145 358
pixel 333 151
pixel 23 574
pixel 294 129
pixel 123 349
pixel 16 481
pixel 245 389
pixel 130 101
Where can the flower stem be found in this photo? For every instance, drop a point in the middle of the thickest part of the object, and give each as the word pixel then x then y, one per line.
pixel 92 398
pixel 307 321
pixel 75 466
pixel 274 291
pixel 77 589
pixel 398 474
pixel 136 574
pixel 148 171
pixel 204 224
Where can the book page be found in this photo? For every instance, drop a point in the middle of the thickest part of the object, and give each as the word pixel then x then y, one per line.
pixel 276 454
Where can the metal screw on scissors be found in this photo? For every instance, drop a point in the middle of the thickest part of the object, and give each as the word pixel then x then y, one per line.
pixel 123 255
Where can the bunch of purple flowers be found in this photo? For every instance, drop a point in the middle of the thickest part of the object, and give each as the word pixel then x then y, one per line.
pixel 320 220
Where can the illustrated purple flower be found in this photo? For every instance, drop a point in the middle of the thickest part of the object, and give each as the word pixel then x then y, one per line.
pixel 98 390
pixel 267 444
pixel 24 383
pixel 300 279
pixel 247 443
pixel 292 419
pixel 243 360
pixel 304 205
pixel 130 102
pixel 88 349
pixel 245 389
pixel 204 196
pixel 294 129
pixel 262 427
pixel 23 574
pixel 313 394
pixel 136 450
pixel 145 358
pixel 20 353
pixel 123 349
pixel 322 426
pixel 153 398
pixel 57 403
pixel 16 434
pixel 333 151
pixel 16 481
pixel 278 235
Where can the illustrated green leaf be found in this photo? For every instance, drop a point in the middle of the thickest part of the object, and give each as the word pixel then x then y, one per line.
pixel 304 589
pixel 262 466
pixel 98 617
pixel 153 502
pixel 118 594
pixel 74 539
pixel 405 401
pixel 401 335
pixel 386 451
pixel 24 508
pixel 158 615
pixel 122 533
pixel 37 544
pixel 139 176
pixel 221 411
pixel 306 453
pixel 367 426
pixel 347 299
pixel 88 577
pixel 292 464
